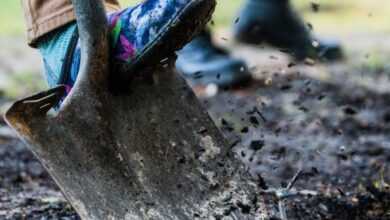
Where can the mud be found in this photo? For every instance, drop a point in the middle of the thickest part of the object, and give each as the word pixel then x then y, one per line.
pixel 328 123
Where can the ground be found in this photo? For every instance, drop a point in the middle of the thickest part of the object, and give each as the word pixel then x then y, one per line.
pixel 328 123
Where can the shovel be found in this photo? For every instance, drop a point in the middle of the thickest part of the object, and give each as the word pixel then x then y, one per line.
pixel 153 153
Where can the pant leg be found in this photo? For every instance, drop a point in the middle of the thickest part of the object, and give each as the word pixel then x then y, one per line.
pixel 132 32
pixel 61 55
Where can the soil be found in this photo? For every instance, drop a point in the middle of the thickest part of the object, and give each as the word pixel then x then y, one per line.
pixel 329 124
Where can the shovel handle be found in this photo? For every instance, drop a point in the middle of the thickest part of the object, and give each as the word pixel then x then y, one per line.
pixel 93 32
pixel 94 67
pixel 91 21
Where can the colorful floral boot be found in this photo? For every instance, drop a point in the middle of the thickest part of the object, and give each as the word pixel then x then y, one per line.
pixel 140 36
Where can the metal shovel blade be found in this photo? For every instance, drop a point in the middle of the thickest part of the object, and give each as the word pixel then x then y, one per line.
pixel 153 153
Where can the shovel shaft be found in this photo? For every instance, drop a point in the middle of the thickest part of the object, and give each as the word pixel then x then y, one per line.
pixel 93 32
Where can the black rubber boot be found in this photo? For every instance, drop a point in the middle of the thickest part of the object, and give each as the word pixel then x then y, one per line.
pixel 276 23
pixel 203 63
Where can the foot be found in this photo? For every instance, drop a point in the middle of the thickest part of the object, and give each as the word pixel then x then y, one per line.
pixel 276 23
pixel 203 63
pixel 140 36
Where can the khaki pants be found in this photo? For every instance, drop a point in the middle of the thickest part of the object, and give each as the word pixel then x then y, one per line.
pixel 44 16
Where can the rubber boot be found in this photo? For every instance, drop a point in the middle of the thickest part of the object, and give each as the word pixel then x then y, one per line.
pixel 203 63
pixel 276 23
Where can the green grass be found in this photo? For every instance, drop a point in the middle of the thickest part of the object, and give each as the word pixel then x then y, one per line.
pixel 30 81
pixel 334 16
pixel 11 18
pixel 342 16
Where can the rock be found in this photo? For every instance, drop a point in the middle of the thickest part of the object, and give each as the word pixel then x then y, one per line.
pixel 257 145
pixel 350 110
pixel 35 169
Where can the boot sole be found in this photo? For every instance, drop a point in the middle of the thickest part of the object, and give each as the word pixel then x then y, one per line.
pixel 177 33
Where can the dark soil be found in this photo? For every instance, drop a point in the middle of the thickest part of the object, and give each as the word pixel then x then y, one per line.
pixel 329 126
pixel 331 129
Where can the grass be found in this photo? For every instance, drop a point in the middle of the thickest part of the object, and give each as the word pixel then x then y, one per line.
pixel 334 16
pixel 30 81
pixel 349 15
pixel 11 18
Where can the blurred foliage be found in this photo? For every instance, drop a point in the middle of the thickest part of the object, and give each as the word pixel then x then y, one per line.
pixel 31 81
pixel 343 16
pixel 11 18
pixel 334 15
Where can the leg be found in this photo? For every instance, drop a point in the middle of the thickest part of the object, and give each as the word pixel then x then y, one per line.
pixel 140 36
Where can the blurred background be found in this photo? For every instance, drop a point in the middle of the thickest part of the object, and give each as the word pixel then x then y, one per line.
pixel 332 118
pixel 362 25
